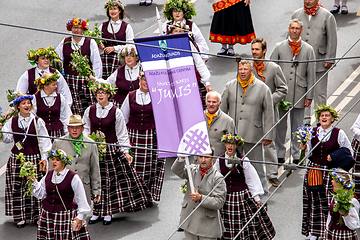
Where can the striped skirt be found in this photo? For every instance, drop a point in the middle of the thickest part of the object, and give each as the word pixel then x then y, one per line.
pixel 81 94
pixel 56 133
pixel 340 235
pixel 110 63
pixel 147 165
pixel 122 189
pixel 16 204
pixel 57 225
pixel 316 205
pixel 239 207
pixel 356 147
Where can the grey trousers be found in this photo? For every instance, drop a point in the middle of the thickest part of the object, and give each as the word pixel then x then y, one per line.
pixel 190 236
pixel 271 156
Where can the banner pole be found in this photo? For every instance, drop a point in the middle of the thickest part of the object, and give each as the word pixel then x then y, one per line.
pixel 191 182
pixel 158 19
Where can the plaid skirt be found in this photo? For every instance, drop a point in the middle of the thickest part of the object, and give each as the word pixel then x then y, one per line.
pixel 57 225
pixel 340 234
pixel 117 104
pixel 316 205
pixel 110 63
pixel 356 147
pixel 56 133
pixel 16 204
pixel 239 207
pixel 147 165
pixel 122 189
pixel 81 94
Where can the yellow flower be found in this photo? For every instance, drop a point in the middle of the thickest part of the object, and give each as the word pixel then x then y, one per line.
pixel 76 22
pixel 57 60
pixel 43 81
pixel 32 55
pixel 48 48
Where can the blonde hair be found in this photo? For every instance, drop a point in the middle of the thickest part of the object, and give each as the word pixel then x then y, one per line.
pixel 45 76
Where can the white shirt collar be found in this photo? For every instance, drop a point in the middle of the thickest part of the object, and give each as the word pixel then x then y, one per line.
pixel 293 41
pixel 118 22
pixel 108 107
pixel 43 94
pixel 27 119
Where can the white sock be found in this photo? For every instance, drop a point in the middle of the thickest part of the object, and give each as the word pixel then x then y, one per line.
pixel 148 1
pixel 313 237
pixel 93 218
pixel 231 46
pixel 107 218
pixel 224 45
pixel 343 2
pixel 142 1
pixel 337 2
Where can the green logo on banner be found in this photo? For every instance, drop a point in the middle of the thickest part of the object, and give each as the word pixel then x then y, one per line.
pixel 163 45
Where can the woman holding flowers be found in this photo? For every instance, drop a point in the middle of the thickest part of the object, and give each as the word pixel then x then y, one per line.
pixel 23 208
pixel 317 184
pixel 343 218
pixel 243 195
pixel 63 200
pixel 117 29
pixel 51 106
pixel 122 189
pixel 138 115
pixel 81 95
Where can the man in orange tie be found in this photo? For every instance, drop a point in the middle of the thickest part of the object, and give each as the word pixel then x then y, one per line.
pixel 219 123
pixel 300 77
pixel 274 78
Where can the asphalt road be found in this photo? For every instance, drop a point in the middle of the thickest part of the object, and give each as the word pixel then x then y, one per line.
pixel 270 21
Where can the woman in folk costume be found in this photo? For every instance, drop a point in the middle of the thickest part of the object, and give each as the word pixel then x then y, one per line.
pixel 24 208
pixel 138 115
pixel 317 184
pixel 51 106
pixel 355 130
pixel 81 94
pixel 231 24
pixel 115 28
pixel 242 198
pixel 182 11
pixel 122 189
pixel 63 201
pixel 202 72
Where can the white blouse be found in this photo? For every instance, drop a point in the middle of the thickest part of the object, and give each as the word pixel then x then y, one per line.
pixel 23 84
pixel 94 53
pixel 24 123
pixel 352 219
pixel 355 129
pixel 39 191
pixel 65 111
pixel 120 126
pixel 251 177
pixel 131 74
pixel 141 99
pixel 116 26
pixel 201 67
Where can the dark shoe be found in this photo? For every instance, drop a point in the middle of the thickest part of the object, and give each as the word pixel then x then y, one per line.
pixel 180 230
pixel 274 181
pixel 344 9
pixel 94 221
pixel 281 160
pixel 230 52
pixel 296 161
pixel 148 4
pixel 142 3
pixel 223 51
pixel 21 224
pixel 335 9
pixel 106 222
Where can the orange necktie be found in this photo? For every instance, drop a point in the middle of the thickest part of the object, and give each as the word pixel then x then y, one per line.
pixel 259 66
pixel 210 118
pixel 295 47
pixel 245 84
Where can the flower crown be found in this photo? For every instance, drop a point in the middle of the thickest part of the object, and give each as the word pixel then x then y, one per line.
pixel 48 52
pixel 141 74
pixel 230 138
pixel 337 178
pixel 103 87
pixel 113 3
pixel 46 80
pixel 61 155
pixel 180 25
pixel 326 108
pixel 129 50
pixel 176 5
pixel 21 98
pixel 77 22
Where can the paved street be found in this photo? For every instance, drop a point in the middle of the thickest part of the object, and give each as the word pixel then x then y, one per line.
pixel 270 22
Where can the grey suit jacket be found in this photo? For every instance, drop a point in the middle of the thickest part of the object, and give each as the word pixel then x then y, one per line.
pixel 276 81
pixel 254 112
pixel 86 165
pixel 206 220
pixel 320 32
pixel 305 72
pixel 221 125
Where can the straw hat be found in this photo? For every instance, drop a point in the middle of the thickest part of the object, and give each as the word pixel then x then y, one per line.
pixel 75 120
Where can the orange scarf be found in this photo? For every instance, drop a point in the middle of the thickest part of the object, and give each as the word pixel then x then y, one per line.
pixel 312 11
pixel 260 68
pixel 204 171
pixel 210 118
pixel 245 84
pixel 295 47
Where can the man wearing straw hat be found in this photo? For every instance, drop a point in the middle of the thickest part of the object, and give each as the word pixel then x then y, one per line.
pixel 85 157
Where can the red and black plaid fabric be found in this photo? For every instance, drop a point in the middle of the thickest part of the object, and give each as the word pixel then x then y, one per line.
pixel 239 207
pixel 57 225
pixel 122 189
pixel 81 94
pixel 356 147
pixel 16 204
pixel 340 234
pixel 147 165
pixel 110 63
pixel 316 205
pixel 56 133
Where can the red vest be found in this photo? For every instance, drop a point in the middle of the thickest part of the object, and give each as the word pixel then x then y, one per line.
pixel 106 125
pixel 120 35
pixel 67 50
pixel 141 116
pixel 32 88
pixel 123 86
pixel 320 153
pixel 30 146
pixel 235 181
pixel 50 115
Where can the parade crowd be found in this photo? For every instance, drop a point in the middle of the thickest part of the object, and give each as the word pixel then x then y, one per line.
pixel 69 176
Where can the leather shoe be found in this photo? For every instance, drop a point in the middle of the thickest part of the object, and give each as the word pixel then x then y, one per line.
pixel 281 160
pixel 335 9
pixel 21 224
pixel 148 3
pixel 344 9
pixel 106 222
pixel 223 51
pixel 94 221
pixel 274 181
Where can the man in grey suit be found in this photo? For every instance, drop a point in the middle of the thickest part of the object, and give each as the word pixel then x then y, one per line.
pixel 299 79
pixel 85 157
pixel 274 78
pixel 219 123
pixel 321 33
pixel 249 102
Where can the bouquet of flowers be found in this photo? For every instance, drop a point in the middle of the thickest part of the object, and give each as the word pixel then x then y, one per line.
pixel 303 134
pixel 183 187
pixel 99 137
pixel 11 96
pixel 27 169
pixel 80 63
pixel 96 32
pixel 284 105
